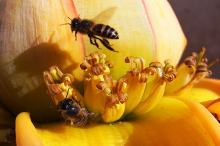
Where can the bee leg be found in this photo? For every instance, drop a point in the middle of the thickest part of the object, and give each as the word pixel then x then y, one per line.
pixel 93 43
pixel 78 102
pixel 76 35
pixel 90 38
pixel 106 41
pixel 71 123
pixel 96 44
pixel 60 113
pixel 107 45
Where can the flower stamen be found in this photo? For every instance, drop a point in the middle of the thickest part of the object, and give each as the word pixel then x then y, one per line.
pixel 211 64
pixel 201 54
pixel 58 85
pixel 114 91
pixel 95 64
pixel 167 63
pixel 191 71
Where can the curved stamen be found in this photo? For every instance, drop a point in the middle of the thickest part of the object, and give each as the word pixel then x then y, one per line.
pixel 110 64
pixel 211 64
pixel 201 54
pixel 67 79
pixel 85 66
pixel 156 65
pixel 167 63
pixel 98 69
pixel 113 90
pixel 54 89
pixel 171 75
pixel 96 63
pixel 145 74
pixel 134 71
pixel 48 78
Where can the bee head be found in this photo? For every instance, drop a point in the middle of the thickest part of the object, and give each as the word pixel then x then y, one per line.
pixel 74 24
pixel 65 104
pixel 72 111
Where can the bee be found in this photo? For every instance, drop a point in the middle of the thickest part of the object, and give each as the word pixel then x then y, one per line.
pixel 89 27
pixel 70 109
pixel 10 138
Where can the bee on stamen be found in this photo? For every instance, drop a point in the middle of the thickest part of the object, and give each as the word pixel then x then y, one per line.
pixel 70 109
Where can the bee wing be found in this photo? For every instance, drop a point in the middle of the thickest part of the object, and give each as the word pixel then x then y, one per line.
pixel 105 15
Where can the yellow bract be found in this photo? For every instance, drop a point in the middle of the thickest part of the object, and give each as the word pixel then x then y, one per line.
pixel 185 74
pixel 188 118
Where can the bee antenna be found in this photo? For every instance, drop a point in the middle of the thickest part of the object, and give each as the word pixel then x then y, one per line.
pixel 65 24
pixel 69 18
pixel 67 92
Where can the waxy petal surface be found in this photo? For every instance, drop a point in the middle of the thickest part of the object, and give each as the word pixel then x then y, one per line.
pixel 171 122
pixel 147 28
pixel 26 134
pixel 205 91
pixel 31 41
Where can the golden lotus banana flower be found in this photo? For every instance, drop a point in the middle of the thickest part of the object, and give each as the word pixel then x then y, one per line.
pixel 58 84
pixel 146 28
pixel 66 97
pixel 144 94
pixel 113 99
pixel 190 72
pixel 95 67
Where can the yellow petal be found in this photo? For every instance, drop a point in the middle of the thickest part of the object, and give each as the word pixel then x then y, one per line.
pixel 185 75
pixel 95 134
pixel 94 98
pixel 210 84
pixel 156 93
pixel 113 114
pixel 171 122
pixel 31 41
pixel 169 38
pixel 26 134
pixel 205 92
pixel 205 117
pixel 135 91
pixel 214 109
pixel 152 100
pixel 147 28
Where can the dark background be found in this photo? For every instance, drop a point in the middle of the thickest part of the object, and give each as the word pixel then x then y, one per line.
pixel 200 21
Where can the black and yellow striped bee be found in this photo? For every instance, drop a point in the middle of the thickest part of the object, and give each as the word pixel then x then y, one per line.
pixel 92 29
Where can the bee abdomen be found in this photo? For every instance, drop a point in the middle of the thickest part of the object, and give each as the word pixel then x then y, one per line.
pixel 105 31
pixel 81 120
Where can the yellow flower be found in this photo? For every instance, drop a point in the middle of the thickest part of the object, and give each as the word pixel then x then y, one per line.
pixel 146 28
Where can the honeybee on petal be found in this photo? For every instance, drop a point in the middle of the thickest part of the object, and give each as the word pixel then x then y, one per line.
pixel 94 29
pixel 70 109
